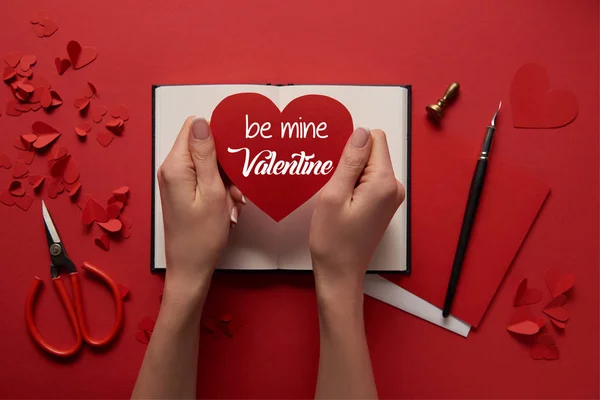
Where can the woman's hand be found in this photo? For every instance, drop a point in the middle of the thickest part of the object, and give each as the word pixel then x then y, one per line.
pixel 353 212
pixel 198 209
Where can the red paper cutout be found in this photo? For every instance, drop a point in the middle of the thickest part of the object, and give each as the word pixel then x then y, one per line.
pixel 120 112
pixel 125 231
pixel 5 161
pixel 80 56
pixel 26 156
pixel 11 108
pixel 58 166
pixel 81 104
pixel 6 198
pixel 82 129
pixel 40 128
pixel 524 328
pixel 545 348
pixel 54 187
pixel 535 105
pixel 45 98
pixel 82 201
pixel 9 73
pixel 50 27
pixel 126 222
pixel 527 296
pixel 62 65
pixel 113 211
pixel 104 138
pixel 103 242
pixel 90 90
pixel 557 283
pixel 35 181
pixel 73 191
pixel 12 60
pixel 93 211
pixel 16 189
pixel 24 202
pixel 25 74
pixel 27 61
pixel 112 225
pixel 278 195
pixel 20 169
pixel 97 113
pixel 58 152
pixel 123 190
pixel 124 290
pixel 71 173
pixel 146 324
pixel 558 324
pixel 540 321
pixel 142 337
pixel 555 308
pixel 40 82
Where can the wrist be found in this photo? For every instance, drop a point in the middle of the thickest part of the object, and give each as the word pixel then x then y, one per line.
pixel 186 293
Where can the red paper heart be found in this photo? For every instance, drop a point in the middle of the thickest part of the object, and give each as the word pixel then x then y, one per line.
pixel 125 232
pixel 71 173
pixel 93 211
pixel 82 129
pixel 558 324
pixel 5 161
pixel 24 202
pixel 524 328
pixel 58 152
pixel 16 189
pixel 97 113
pixel 121 112
pixel 559 283
pixel 112 225
pixel 74 190
pixel 80 56
pixel 11 108
pixel 35 181
pixel 82 201
pixel 9 73
pixel 535 105
pixel 544 348
pixel 62 65
pixel 124 290
pixel 26 156
pixel 103 242
pixel 54 187
pixel 6 198
pixel 89 90
pixel 555 309
pixel 113 211
pixel 38 16
pixel 527 296
pixel 27 61
pixel 278 195
pixel 20 169
pixel 104 138
pixel 50 27
pixel 40 127
pixel 81 104
pixel 12 60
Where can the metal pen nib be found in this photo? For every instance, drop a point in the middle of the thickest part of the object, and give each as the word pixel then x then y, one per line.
pixel 487 142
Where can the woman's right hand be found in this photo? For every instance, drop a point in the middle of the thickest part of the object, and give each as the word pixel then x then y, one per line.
pixel 352 213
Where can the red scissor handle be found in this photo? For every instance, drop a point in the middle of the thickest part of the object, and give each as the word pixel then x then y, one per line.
pixel 64 297
pixel 118 307
pixel 75 313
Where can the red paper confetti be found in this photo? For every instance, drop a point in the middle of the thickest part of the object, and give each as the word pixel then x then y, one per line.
pixel 5 161
pixel 80 56
pixel 73 191
pixel 146 324
pixel 93 211
pixel 16 189
pixel 20 169
pixel 558 324
pixel 142 337
pixel 524 328
pixel 82 201
pixel 526 296
pixel 24 202
pixel 97 113
pixel 104 138
pixel 113 211
pixel 54 187
pixel 9 73
pixel 82 129
pixel 559 283
pixel 81 104
pixel 71 173
pixel 124 290
pixel 103 242
pixel 27 61
pixel 544 349
pixel 555 309
pixel 12 60
pixel 35 181
pixel 26 156
pixel 90 90
pixel 112 225
pixel 58 152
pixel 62 65
pixel 7 199
pixel 121 112
pixel 11 108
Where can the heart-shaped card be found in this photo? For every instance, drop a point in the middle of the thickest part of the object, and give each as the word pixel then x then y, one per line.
pixel 279 159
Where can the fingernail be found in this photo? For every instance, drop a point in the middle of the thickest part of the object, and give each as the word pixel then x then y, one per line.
pixel 234 215
pixel 200 128
pixel 360 137
pixel 243 199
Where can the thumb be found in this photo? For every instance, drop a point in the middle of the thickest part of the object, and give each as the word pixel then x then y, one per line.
pixel 351 165
pixel 202 150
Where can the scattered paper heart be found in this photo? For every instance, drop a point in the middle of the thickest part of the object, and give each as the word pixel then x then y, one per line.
pixel 9 73
pixel 16 189
pixel 93 211
pixel 526 295
pixel 83 129
pixel 524 328
pixel 113 211
pixel 123 290
pixel 24 202
pixel 559 283
pixel 35 181
pixel 6 198
pixel 544 348
pixel 12 59
pixel 62 65
pixel 98 112
pixel 558 324
pixel 121 112
pixel 112 225
pixel 5 161
pixel 74 190
pixel 81 104
pixel 555 309
pixel 82 201
pixel 26 156
pixel 54 187
pixel 19 169
pixel 103 241
pixel 80 56
pixel 104 138
pixel 89 90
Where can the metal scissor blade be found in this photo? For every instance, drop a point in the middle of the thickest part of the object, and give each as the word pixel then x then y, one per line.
pixel 50 228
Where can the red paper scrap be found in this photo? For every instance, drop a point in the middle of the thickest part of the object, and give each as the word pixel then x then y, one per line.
pixel 44 139
pixel 35 181
pixel 6 198
pixel 58 152
pixel 555 309
pixel 26 156
pixel 535 105
pixel 80 56
pixel 103 242
pixel 27 61
pixel 58 167
pixel 24 202
pixel 62 65
pixel 112 225
pixel 83 129
pixel 71 173
pixel 122 191
pixel 9 73
pixel 121 112
pixel 16 189
pixel 559 283
pixel 142 337
pixel 125 231
pixel 18 143
pixel 74 190
pixel 524 328
pixel 93 211
pixel 25 74
pixel 90 90
pixel 113 211
pixel 97 113
pixel 12 60
pixel 40 128
pixel 558 324
pixel 11 108
pixel 526 295
pixel 104 138
pixel 147 324
pixel 54 187
pixel 124 290
pixel 5 161
pixel 20 169
pixel 56 99
pixel 544 348
pixel 82 201
pixel 50 27
pixel 81 104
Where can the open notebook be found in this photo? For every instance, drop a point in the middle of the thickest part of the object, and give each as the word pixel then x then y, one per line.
pixel 258 242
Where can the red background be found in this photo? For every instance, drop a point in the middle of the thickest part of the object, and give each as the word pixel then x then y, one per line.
pixel 426 44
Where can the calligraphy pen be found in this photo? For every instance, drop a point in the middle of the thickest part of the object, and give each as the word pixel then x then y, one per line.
pixel 470 211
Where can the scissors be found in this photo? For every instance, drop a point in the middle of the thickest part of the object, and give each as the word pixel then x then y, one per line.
pixel 59 260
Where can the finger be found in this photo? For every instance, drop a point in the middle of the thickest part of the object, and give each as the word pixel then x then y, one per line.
pixel 180 147
pixel 380 154
pixel 236 195
pixel 352 163
pixel 204 155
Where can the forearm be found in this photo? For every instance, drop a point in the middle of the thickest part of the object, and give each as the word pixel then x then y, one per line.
pixel 344 365
pixel 169 369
